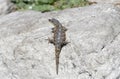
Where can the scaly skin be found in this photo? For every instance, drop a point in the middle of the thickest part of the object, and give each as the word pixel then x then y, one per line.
pixel 58 39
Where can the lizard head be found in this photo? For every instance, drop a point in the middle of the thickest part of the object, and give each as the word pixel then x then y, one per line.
pixel 54 22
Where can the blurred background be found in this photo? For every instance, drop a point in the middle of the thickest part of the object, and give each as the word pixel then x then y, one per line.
pixel 48 5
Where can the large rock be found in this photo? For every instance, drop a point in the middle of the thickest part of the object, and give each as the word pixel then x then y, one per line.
pixel 6 7
pixel 106 1
pixel 93 51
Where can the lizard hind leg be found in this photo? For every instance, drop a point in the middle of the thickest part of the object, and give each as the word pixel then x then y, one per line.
pixel 65 43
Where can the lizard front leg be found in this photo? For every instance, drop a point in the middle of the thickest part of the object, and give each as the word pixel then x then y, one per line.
pixel 53 30
pixel 51 41
pixel 65 29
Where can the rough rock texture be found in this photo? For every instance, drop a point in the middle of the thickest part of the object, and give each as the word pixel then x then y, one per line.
pixel 106 1
pixel 6 7
pixel 93 51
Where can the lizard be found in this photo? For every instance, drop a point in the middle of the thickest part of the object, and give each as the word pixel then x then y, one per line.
pixel 58 40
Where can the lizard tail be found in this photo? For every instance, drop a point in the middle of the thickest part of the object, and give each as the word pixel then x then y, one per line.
pixel 57 60
pixel 57 64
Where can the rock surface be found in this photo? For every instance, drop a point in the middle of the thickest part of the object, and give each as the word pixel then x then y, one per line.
pixel 93 51
pixel 6 7
pixel 106 1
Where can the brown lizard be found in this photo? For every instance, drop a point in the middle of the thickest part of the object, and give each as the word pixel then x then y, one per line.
pixel 59 39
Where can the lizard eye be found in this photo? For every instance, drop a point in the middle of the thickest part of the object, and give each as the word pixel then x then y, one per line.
pixel 49 19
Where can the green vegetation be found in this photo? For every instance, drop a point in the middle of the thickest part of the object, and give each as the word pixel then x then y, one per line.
pixel 48 5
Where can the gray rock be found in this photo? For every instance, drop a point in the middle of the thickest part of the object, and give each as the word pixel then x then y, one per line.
pixel 106 1
pixel 6 7
pixel 93 51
